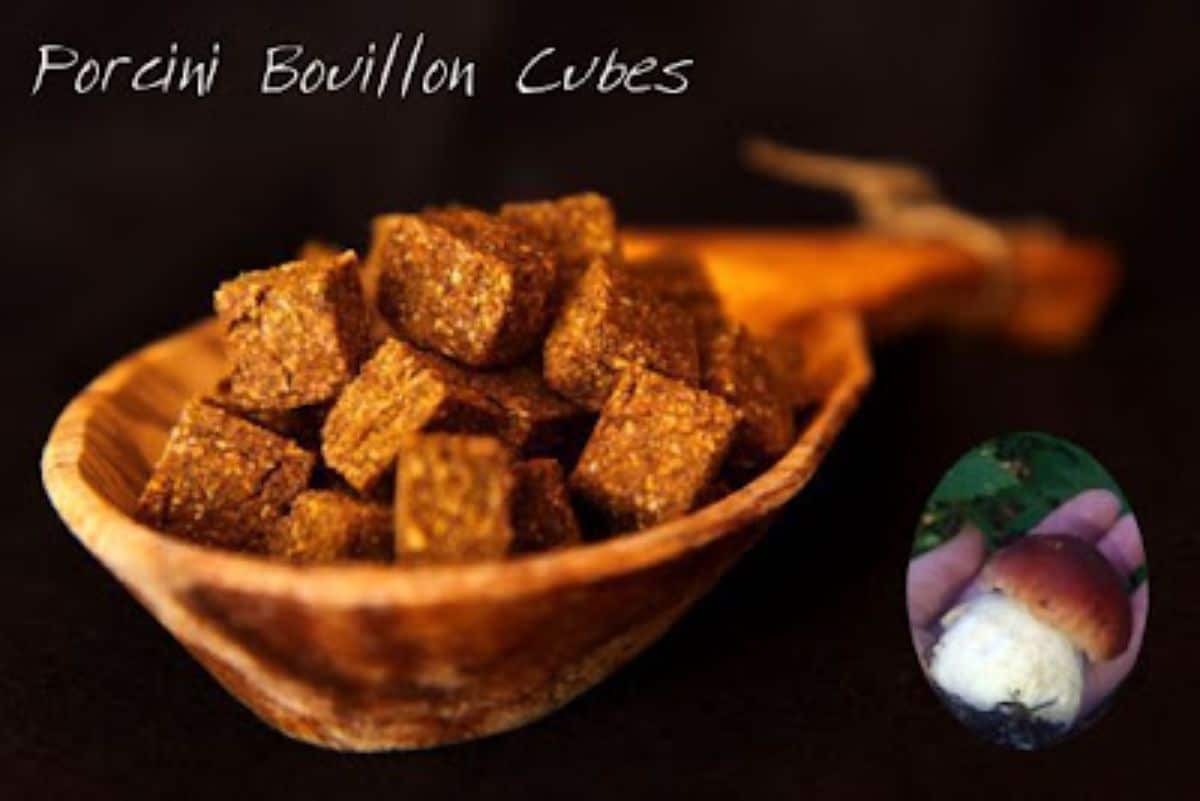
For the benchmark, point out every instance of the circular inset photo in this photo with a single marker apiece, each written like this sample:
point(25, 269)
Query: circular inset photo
point(1027, 590)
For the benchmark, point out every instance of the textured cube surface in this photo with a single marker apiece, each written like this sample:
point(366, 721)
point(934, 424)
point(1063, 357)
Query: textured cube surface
point(579, 229)
point(465, 284)
point(609, 322)
point(301, 424)
point(318, 249)
point(331, 526)
point(453, 499)
point(736, 367)
point(679, 277)
point(370, 270)
point(539, 422)
point(295, 333)
point(222, 480)
point(401, 390)
point(657, 448)
point(543, 517)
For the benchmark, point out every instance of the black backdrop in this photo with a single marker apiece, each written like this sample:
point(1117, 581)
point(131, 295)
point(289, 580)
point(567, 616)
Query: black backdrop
point(121, 212)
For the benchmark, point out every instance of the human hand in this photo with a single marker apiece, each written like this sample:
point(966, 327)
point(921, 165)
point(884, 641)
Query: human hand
point(947, 576)
point(1095, 517)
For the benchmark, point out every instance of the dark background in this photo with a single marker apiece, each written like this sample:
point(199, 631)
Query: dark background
point(122, 212)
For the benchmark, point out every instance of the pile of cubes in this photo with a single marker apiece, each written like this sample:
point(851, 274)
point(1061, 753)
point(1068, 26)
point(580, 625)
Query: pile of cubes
point(481, 386)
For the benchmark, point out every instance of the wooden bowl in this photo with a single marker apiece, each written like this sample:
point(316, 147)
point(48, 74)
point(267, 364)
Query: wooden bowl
point(373, 657)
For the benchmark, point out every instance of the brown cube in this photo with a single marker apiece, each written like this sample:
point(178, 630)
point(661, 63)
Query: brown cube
point(401, 390)
point(319, 249)
point(368, 275)
point(579, 229)
point(798, 373)
point(453, 499)
point(295, 333)
point(715, 491)
point(542, 514)
point(539, 421)
point(655, 451)
point(465, 284)
point(382, 227)
point(330, 526)
point(222, 480)
point(736, 367)
point(679, 277)
point(609, 322)
point(302, 424)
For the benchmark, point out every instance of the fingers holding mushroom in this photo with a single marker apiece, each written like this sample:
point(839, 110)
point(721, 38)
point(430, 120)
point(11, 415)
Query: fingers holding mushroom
point(1102, 679)
point(1012, 660)
point(1089, 516)
point(1027, 591)
point(937, 578)
point(1067, 584)
point(1122, 546)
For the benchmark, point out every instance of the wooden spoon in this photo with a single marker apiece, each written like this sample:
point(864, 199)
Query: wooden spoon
point(1057, 287)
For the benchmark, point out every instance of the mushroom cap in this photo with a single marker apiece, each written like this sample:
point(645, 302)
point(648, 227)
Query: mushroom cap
point(1068, 584)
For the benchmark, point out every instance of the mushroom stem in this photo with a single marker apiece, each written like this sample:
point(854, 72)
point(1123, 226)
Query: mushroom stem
point(994, 654)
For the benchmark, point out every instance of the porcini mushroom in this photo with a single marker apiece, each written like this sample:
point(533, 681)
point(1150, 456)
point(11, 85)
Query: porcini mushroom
point(1011, 659)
